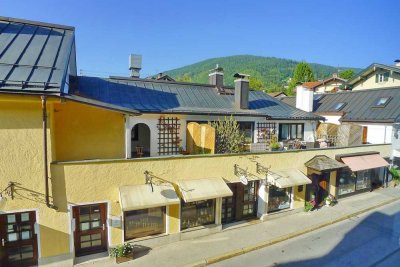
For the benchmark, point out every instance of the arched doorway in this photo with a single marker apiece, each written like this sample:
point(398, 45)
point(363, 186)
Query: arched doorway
point(140, 140)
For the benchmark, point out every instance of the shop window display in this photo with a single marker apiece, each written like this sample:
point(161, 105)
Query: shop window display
point(279, 198)
point(197, 213)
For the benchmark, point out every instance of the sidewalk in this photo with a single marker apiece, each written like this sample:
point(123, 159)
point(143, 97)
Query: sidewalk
point(239, 240)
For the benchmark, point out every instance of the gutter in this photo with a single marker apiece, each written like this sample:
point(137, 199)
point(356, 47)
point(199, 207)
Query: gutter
point(45, 160)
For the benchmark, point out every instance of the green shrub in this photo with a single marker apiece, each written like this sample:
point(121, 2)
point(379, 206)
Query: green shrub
point(121, 250)
point(308, 206)
point(229, 139)
point(395, 172)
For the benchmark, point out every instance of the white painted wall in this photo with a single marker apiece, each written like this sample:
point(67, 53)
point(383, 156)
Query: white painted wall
point(332, 119)
point(151, 121)
point(304, 98)
point(379, 133)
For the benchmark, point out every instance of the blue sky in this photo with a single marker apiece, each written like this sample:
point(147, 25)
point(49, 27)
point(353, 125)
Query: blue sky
point(171, 34)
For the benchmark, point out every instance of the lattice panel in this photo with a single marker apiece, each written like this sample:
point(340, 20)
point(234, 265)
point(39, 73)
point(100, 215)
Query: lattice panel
point(265, 131)
point(168, 136)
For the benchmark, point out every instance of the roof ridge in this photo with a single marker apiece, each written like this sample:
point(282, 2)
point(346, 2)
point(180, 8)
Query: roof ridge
point(37, 23)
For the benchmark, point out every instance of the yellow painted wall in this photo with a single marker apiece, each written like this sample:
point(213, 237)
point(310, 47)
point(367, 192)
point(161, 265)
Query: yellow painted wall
point(174, 219)
point(299, 197)
point(21, 161)
point(85, 132)
point(91, 181)
point(332, 184)
point(370, 83)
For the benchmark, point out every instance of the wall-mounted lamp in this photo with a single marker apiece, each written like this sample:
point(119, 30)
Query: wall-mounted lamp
point(149, 179)
point(262, 169)
point(8, 191)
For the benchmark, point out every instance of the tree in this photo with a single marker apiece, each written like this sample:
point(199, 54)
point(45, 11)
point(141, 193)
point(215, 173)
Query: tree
point(229, 139)
point(302, 73)
point(184, 78)
point(346, 74)
point(256, 84)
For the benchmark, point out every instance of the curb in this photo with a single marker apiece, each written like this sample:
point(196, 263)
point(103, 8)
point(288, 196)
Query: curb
point(244, 250)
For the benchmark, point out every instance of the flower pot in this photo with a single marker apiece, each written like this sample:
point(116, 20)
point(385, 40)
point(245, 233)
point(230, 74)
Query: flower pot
point(126, 258)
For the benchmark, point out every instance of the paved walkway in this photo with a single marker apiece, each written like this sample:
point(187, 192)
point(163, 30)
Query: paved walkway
point(231, 242)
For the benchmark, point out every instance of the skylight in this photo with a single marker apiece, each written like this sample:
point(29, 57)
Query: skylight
point(318, 97)
point(382, 101)
point(339, 106)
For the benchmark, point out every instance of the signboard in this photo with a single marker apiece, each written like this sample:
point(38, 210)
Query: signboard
point(243, 180)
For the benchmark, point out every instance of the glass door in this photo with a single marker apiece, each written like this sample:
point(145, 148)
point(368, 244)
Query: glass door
point(250, 199)
point(18, 239)
point(90, 229)
point(229, 206)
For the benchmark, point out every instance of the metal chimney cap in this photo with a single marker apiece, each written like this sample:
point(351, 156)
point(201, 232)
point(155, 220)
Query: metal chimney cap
point(241, 75)
point(397, 61)
point(217, 69)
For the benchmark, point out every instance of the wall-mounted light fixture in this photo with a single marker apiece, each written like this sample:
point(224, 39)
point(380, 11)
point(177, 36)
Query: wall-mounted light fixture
point(8, 191)
point(149, 179)
point(262, 169)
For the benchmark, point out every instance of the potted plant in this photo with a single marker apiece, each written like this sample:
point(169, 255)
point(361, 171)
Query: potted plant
point(122, 253)
point(395, 172)
point(183, 151)
point(274, 146)
point(308, 206)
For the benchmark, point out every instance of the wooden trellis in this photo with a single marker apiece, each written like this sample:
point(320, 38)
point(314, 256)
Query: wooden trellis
point(168, 136)
point(265, 131)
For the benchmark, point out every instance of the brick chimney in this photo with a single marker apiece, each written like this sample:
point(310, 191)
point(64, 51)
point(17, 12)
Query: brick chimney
point(241, 91)
point(216, 77)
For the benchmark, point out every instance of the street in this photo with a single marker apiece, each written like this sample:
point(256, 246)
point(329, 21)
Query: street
point(371, 239)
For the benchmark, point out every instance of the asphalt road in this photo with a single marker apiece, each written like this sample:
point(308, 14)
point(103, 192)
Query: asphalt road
point(371, 239)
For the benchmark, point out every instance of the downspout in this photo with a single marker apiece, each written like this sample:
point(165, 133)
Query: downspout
point(45, 161)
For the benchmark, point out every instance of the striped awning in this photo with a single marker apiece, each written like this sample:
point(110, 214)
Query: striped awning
point(202, 189)
point(136, 197)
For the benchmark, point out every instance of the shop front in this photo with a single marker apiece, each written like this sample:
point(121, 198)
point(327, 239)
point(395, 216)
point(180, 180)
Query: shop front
point(323, 172)
point(242, 204)
point(365, 172)
point(281, 185)
point(201, 201)
point(145, 209)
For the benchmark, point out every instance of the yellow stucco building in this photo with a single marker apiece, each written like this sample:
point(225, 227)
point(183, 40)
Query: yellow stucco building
point(79, 174)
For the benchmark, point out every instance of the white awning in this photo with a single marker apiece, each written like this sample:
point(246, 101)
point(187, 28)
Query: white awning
point(136, 197)
point(202, 189)
point(287, 178)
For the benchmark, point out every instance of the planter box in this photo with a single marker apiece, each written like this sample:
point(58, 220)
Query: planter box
point(126, 258)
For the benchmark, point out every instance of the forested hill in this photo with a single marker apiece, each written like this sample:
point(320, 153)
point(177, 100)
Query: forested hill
point(270, 70)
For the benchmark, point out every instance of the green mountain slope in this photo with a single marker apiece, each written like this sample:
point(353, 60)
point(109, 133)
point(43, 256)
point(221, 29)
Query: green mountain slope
point(271, 71)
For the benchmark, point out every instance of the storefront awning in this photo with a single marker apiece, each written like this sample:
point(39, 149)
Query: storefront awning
point(287, 178)
point(365, 162)
point(136, 197)
point(202, 189)
point(324, 163)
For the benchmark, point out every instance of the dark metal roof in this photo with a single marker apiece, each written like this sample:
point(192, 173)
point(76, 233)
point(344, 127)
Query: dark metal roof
point(150, 96)
point(371, 68)
point(324, 163)
point(34, 56)
point(360, 105)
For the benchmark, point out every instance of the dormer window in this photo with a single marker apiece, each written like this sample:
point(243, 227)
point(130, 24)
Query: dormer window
point(382, 102)
point(382, 77)
point(339, 106)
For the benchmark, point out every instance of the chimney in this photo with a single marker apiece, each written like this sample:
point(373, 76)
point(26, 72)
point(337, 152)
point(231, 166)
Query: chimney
point(135, 65)
point(216, 77)
point(241, 91)
point(304, 98)
point(397, 62)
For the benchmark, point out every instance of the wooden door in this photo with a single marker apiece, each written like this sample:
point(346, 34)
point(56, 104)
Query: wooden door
point(90, 234)
point(323, 191)
point(18, 239)
point(249, 206)
point(228, 212)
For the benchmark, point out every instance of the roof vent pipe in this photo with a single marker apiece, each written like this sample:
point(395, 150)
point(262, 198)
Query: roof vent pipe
point(135, 65)
point(216, 77)
point(241, 91)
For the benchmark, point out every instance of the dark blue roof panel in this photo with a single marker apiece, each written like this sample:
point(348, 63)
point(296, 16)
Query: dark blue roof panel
point(149, 96)
point(34, 56)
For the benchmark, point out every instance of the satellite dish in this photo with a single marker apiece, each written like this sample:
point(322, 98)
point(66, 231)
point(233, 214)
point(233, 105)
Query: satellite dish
point(243, 180)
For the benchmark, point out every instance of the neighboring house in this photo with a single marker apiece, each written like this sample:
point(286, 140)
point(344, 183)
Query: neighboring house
point(330, 85)
point(374, 110)
point(278, 95)
point(161, 77)
point(376, 76)
point(69, 186)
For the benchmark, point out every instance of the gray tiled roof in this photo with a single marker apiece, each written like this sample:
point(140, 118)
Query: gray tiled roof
point(324, 163)
point(34, 56)
point(149, 96)
point(359, 105)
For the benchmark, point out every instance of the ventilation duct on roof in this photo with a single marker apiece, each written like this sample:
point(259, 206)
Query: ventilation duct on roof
point(135, 65)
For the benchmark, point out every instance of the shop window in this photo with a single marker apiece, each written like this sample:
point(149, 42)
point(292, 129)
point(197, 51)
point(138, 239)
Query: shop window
point(347, 181)
point(246, 128)
point(197, 213)
point(291, 131)
point(363, 180)
point(146, 222)
point(279, 198)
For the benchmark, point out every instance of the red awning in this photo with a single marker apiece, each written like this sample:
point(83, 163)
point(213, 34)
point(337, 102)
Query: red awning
point(365, 162)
